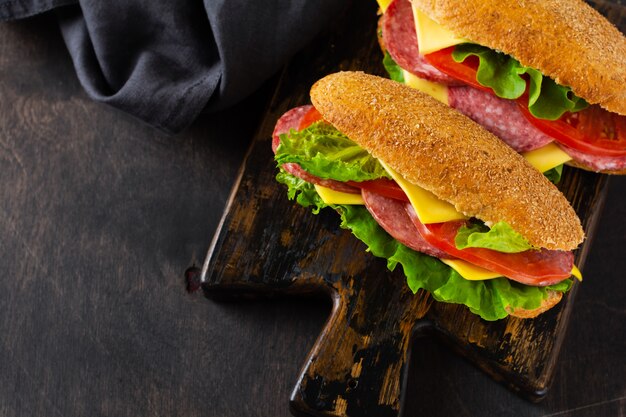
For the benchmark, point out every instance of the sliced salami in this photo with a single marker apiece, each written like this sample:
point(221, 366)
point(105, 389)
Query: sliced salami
point(293, 120)
point(286, 122)
point(391, 215)
point(400, 40)
point(596, 162)
point(499, 116)
point(297, 171)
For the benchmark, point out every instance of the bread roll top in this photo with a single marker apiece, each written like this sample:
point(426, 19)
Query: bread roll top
point(566, 40)
point(445, 152)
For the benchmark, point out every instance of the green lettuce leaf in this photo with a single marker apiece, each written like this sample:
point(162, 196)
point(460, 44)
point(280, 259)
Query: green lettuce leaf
point(323, 151)
point(393, 69)
point(554, 174)
point(501, 237)
point(503, 74)
point(489, 299)
point(496, 70)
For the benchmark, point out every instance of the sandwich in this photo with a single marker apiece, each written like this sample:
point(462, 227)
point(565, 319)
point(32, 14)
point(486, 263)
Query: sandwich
point(546, 77)
point(423, 186)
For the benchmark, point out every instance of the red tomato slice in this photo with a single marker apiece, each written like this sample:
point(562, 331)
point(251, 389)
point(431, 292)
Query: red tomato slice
point(463, 71)
point(593, 130)
point(289, 120)
point(298, 118)
point(309, 118)
point(532, 267)
point(382, 186)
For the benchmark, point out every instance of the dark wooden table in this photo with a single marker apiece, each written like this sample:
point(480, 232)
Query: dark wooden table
point(100, 216)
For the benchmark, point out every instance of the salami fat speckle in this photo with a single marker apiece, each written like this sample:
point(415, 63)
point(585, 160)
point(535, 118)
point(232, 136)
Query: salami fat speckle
point(288, 121)
point(400, 40)
point(391, 215)
point(499, 116)
point(596, 162)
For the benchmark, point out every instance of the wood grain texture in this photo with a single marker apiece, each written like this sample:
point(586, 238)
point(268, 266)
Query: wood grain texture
point(99, 217)
point(355, 369)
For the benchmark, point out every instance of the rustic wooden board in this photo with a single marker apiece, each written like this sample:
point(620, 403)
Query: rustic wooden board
point(267, 245)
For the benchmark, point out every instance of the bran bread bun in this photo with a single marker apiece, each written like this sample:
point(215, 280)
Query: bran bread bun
point(566, 40)
point(441, 150)
point(553, 299)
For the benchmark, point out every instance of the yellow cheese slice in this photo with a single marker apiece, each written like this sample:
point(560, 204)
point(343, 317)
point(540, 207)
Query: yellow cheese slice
point(546, 157)
point(576, 272)
point(330, 196)
point(475, 273)
point(429, 208)
point(384, 4)
point(543, 159)
point(435, 90)
point(469, 271)
point(431, 36)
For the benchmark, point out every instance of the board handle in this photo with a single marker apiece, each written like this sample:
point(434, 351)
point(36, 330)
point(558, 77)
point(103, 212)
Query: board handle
point(353, 372)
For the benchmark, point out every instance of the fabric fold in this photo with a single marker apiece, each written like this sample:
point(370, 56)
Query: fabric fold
point(165, 62)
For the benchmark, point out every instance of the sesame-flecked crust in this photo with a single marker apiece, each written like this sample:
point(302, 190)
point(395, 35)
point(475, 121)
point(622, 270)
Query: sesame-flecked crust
point(553, 299)
point(566, 40)
point(445, 152)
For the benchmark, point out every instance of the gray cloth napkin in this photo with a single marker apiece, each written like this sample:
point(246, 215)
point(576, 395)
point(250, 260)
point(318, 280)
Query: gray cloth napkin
point(164, 61)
